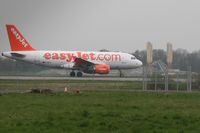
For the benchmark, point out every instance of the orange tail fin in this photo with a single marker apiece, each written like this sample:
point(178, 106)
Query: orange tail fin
point(17, 41)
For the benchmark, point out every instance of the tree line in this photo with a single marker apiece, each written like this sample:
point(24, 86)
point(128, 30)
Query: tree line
point(181, 58)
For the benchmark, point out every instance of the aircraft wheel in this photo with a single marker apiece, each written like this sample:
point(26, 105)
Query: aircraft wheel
point(79, 74)
point(72, 74)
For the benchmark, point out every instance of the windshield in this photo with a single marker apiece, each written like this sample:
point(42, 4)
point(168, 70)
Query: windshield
point(133, 58)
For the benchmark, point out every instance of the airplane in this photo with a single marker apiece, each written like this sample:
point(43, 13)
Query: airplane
point(78, 62)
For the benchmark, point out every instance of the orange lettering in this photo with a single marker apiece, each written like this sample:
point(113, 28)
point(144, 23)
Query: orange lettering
point(92, 56)
point(55, 56)
point(47, 56)
point(62, 56)
point(79, 54)
point(100, 57)
point(85, 56)
point(107, 57)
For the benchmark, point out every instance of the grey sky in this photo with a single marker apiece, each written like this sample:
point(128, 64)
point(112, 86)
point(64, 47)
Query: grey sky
point(119, 25)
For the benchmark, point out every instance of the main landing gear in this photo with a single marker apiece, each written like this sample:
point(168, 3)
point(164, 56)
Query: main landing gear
point(72, 74)
point(78, 74)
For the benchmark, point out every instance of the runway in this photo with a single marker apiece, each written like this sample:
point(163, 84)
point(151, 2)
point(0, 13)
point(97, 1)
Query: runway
point(18, 83)
point(69, 78)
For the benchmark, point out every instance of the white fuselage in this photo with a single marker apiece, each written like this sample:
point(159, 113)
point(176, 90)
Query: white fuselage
point(65, 59)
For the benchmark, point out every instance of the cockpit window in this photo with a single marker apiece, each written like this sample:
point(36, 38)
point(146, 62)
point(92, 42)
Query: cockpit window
point(133, 58)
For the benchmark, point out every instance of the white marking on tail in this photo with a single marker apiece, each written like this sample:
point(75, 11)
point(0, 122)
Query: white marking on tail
point(18, 37)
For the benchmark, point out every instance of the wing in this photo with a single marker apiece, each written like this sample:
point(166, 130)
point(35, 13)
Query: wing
point(83, 65)
point(82, 62)
point(90, 67)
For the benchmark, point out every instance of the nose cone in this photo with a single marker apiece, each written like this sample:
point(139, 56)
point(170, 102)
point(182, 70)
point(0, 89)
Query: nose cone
point(139, 63)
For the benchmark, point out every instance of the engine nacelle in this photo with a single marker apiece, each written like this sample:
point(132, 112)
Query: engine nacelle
point(102, 69)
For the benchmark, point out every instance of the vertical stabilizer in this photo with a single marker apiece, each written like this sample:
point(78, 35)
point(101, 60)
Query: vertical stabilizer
point(17, 41)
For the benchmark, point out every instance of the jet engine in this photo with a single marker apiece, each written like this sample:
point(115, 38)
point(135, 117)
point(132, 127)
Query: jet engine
point(97, 68)
point(102, 69)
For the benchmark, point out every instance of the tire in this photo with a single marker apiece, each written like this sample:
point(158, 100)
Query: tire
point(79, 74)
point(72, 74)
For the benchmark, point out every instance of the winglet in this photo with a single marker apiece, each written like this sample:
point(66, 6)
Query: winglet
point(17, 41)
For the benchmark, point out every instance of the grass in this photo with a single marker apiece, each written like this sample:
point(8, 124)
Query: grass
point(61, 84)
point(100, 112)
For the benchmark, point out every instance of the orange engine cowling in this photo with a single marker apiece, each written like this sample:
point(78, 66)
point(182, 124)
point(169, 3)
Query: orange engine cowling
point(102, 69)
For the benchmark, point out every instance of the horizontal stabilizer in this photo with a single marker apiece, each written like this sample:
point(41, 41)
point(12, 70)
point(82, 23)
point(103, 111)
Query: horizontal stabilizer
point(18, 55)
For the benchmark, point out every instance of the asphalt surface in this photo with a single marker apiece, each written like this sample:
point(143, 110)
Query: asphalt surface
point(17, 89)
point(20, 90)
